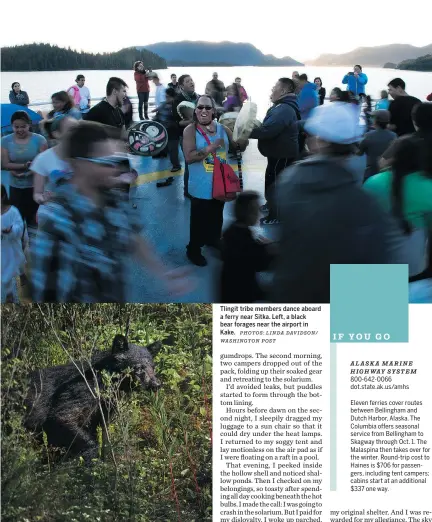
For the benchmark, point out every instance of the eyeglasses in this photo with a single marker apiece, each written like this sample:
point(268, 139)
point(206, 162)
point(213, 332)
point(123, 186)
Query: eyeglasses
point(100, 161)
point(206, 107)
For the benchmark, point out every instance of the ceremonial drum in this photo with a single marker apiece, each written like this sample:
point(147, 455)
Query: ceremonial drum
point(246, 121)
point(228, 119)
point(185, 110)
point(147, 138)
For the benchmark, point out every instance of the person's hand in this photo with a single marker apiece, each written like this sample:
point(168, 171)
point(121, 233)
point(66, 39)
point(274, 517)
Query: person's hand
point(242, 143)
point(17, 174)
point(178, 281)
point(7, 230)
point(216, 145)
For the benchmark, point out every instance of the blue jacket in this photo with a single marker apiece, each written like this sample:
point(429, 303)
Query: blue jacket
point(355, 85)
point(278, 135)
point(308, 99)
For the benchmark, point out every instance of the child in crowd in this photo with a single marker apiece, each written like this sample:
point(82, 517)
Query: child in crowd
point(376, 142)
point(243, 255)
point(14, 241)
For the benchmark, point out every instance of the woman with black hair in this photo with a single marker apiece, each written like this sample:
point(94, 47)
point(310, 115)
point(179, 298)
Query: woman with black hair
point(320, 89)
point(17, 96)
point(202, 139)
point(405, 193)
point(18, 150)
point(141, 77)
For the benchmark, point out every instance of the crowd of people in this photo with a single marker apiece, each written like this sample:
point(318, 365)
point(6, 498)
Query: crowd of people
point(339, 194)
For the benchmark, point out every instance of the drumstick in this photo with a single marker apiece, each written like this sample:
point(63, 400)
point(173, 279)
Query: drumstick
point(239, 157)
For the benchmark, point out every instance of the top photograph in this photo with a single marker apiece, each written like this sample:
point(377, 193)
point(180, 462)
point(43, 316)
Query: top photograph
point(211, 172)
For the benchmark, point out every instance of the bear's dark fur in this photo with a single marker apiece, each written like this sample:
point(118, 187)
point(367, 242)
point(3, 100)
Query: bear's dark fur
point(60, 403)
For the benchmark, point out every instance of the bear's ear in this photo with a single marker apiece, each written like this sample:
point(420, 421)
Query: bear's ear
point(154, 348)
point(169, 341)
point(119, 344)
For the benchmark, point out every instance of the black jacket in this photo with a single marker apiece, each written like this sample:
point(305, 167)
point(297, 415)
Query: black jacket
point(242, 257)
point(327, 218)
point(278, 135)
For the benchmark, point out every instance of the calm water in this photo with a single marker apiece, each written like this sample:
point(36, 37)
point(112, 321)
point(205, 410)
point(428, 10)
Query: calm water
point(258, 81)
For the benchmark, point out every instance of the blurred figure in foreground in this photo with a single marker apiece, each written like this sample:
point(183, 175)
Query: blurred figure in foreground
point(89, 231)
point(243, 255)
point(405, 194)
point(326, 215)
point(14, 240)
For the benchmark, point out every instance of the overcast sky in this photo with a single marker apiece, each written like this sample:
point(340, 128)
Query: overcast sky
point(302, 30)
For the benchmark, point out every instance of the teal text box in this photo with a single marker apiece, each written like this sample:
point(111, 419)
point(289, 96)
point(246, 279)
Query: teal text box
point(369, 303)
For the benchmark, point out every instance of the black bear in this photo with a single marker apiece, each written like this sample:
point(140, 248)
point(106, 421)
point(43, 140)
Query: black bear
point(62, 400)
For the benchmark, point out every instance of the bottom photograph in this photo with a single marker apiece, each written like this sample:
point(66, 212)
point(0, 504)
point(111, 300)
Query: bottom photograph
point(106, 413)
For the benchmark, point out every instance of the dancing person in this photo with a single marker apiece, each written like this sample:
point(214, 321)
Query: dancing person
point(296, 79)
point(49, 166)
point(186, 93)
point(141, 77)
point(401, 108)
point(327, 217)
point(356, 81)
point(173, 84)
point(18, 150)
point(383, 103)
point(405, 194)
point(243, 255)
point(17, 96)
point(14, 240)
point(376, 142)
point(80, 94)
point(206, 217)
point(63, 105)
point(233, 101)
point(216, 89)
point(278, 141)
point(308, 97)
point(160, 92)
point(81, 249)
point(243, 93)
point(127, 111)
point(336, 94)
point(109, 110)
point(165, 116)
point(320, 90)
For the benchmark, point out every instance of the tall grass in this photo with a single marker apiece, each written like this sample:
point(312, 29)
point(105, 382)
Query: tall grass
point(154, 452)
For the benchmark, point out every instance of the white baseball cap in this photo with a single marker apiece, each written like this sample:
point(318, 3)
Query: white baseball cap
point(336, 122)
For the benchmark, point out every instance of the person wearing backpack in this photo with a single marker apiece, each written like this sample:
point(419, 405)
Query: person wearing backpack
point(205, 142)
point(80, 94)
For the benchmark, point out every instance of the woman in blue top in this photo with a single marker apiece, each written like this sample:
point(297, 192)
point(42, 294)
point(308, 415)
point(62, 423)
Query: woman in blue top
point(383, 103)
point(64, 106)
point(18, 150)
point(356, 81)
point(206, 213)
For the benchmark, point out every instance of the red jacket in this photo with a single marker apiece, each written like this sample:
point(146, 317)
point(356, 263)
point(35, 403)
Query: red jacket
point(142, 84)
